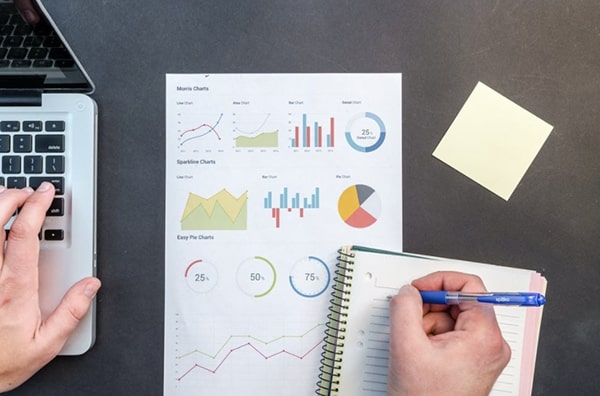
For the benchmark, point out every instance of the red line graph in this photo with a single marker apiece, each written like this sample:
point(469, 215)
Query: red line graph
point(255, 349)
point(211, 128)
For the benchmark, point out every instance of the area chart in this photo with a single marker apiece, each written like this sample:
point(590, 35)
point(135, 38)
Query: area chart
point(221, 211)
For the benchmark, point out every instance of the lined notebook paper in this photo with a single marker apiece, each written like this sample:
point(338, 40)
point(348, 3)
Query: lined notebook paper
point(355, 355)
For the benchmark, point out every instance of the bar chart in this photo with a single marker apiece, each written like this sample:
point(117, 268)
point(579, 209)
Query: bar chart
point(312, 133)
point(290, 202)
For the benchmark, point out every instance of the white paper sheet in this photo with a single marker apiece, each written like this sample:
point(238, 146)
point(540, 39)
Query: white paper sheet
point(266, 176)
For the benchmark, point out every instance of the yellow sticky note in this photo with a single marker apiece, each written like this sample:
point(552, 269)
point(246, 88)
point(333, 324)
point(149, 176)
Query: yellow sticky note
point(493, 141)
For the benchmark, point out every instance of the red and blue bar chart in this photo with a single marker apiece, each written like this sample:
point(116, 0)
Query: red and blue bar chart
point(313, 134)
point(290, 202)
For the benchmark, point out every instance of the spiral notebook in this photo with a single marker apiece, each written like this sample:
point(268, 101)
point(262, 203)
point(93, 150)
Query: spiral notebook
point(355, 353)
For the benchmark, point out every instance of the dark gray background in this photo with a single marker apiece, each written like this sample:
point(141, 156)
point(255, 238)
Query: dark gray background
point(544, 55)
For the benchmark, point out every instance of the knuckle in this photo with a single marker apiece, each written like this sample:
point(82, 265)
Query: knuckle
point(20, 231)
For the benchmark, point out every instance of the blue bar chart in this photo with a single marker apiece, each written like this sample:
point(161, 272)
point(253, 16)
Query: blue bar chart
point(289, 202)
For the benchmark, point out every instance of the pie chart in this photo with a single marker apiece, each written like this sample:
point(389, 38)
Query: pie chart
point(359, 206)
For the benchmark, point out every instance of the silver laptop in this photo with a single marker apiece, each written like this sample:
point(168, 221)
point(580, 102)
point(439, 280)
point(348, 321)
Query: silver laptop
point(48, 133)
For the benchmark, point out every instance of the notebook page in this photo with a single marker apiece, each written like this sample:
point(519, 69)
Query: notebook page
point(377, 276)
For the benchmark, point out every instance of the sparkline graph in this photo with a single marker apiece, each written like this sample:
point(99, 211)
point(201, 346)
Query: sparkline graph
point(252, 345)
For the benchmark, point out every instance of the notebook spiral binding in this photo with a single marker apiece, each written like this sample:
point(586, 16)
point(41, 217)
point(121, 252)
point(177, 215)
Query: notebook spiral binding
point(333, 342)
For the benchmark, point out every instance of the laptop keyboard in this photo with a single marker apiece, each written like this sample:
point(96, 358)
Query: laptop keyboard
point(23, 46)
point(32, 151)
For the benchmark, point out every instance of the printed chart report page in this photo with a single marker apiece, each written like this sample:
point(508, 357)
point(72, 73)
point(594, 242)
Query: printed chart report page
point(267, 175)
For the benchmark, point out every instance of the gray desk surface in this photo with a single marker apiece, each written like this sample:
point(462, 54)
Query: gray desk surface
point(544, 55)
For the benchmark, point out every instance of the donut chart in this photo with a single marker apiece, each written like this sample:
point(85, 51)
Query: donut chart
point(365, 132)
point(359, 206)
point(310, 277)
point(201, 276)
point(256, 276)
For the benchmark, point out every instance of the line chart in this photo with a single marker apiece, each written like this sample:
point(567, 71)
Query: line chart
point(254, 348)
point(258, 340)
point(254, 131)
point(253, 344)
point(200, 131)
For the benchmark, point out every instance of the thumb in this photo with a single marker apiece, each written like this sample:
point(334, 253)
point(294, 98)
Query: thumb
point(74, 305)
point(406, 317)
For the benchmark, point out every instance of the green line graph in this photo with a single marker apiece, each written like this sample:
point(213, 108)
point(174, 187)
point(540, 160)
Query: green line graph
point(232, 338)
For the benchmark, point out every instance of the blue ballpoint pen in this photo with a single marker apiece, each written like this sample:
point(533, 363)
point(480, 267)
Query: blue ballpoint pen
point(526, 299)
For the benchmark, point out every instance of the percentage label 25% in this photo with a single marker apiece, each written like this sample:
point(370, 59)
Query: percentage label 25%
point(201, 276)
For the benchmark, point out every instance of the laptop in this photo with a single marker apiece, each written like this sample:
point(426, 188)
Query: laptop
point(48, 126)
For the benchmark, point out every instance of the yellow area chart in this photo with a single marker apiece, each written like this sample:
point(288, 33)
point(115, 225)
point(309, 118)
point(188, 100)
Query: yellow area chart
point(222, 211)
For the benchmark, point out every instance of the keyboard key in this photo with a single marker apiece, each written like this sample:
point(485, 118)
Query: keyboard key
point(33, 41)
point(42, 29)
point(57, 208)
point(59, 53)
point(54, 235)
point(42, 63)
point(50, 143)
point(16, 182)
point(11, 164)
point(13, 41)
point(32, 126)
point(64, 63)
point(21, 63)
point(22, 143)
point(58, 182)
point(4, 143)
point(38, 53)
point(17, 53)
point(6, 30)
point(55, 126)
point(33, 164)
point(23, 30)
point(55, 164)
point(10, 126)
point(52, 42)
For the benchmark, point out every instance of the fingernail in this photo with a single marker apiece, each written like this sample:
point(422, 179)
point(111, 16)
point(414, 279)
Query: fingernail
point(2, 189)
point(45, 186)
point(29, 16)
point(91, 289)
point(406, 289)
point(28, 190)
